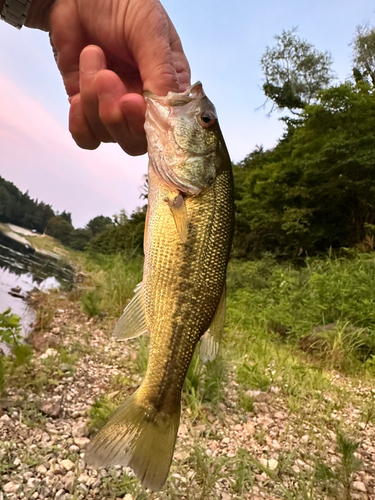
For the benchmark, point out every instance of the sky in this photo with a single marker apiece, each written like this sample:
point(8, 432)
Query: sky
point(223, 41)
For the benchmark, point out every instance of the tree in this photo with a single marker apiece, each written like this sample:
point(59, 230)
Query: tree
point(124, 235)
point(79, 239)
point(59, 228)
point(98, 224)
point(315, 189)
point(364, 54)
point(294, 72)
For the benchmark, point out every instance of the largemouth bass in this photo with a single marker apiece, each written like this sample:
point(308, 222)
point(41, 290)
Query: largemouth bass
point(181, 299)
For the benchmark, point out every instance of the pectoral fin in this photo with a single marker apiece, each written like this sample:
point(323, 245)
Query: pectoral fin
point(210, 340)
point(179, 212)
point(133, 321)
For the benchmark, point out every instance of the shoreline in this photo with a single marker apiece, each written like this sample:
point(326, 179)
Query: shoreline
point(80, 374)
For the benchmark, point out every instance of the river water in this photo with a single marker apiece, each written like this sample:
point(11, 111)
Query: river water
point(27, 270)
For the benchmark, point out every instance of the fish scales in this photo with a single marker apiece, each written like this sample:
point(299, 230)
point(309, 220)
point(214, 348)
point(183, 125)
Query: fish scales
point(188, 236)
point(184, 316)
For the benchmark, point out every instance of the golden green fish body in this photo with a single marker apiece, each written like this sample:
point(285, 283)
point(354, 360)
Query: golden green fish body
point(182, 282)
point(188, 237)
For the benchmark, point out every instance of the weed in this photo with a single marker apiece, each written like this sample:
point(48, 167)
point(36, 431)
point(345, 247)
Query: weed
point(91, 303)
point(100, 412)
point(349, 463)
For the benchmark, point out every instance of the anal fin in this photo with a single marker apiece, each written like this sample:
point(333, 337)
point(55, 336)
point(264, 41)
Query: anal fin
point(210, 341)
point(132, 323)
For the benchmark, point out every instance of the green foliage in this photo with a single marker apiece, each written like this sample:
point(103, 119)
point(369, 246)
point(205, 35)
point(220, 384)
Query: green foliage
point(294, 71)
point(364, 54)
point(115, 277)
point(10, 329)
point(91, 303)
point(79, 239)
point(58, 227)
point(98, 224)
point(338, 291)
point(124, 235)
point(349, 463)
point(18, 208)
point(316, 189)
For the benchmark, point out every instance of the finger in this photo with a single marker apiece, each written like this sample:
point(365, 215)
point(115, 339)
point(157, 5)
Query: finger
point(161, 62)
point(92, 61)
point(68, 39)
point(122, 114)
point(79, 126)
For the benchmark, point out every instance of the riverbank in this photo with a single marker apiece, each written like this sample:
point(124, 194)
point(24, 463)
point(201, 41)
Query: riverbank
point(31, 241)
point(296, 431)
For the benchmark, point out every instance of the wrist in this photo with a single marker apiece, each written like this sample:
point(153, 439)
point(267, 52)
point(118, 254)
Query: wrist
point(38, 16)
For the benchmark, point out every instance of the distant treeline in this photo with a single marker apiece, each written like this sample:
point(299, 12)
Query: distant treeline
point(18, 208)
point(313, 191)
point(121, 233)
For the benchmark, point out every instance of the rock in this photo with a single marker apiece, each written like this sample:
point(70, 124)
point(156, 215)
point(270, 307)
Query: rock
point(41, 341)
point(261, 408)
point(41, 469)
point(69, 481)
point(6, 419)
point(271, 464)
point(50, 353)
point(80, 429)
point(280, 415)
point(305, 439)
point(250, 427)
point(128, 496)
point(359, 486)
point(11, 487)
point(56, 330)
point(51, 407)
point(67, 464)
point(225, 496)
point(258, 396)
point(61, 495)
point(81, 441)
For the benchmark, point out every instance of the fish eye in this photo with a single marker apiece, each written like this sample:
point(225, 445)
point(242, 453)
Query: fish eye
point(207, 119)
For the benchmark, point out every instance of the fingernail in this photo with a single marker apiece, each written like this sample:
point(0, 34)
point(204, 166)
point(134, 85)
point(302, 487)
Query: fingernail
point(91, 62)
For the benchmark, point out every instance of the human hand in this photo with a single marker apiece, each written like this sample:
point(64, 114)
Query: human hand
point(108, 52)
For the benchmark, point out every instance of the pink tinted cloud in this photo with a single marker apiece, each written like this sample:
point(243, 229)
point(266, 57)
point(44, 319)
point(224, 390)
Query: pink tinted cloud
point(35, 147)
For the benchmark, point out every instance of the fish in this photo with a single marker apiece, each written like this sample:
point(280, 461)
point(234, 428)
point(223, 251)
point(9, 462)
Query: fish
point(181, 299)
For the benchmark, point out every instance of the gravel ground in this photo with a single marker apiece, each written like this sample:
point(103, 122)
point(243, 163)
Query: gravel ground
point(43, 431)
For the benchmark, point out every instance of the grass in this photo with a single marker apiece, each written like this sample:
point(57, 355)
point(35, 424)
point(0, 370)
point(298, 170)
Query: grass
point(272, 310)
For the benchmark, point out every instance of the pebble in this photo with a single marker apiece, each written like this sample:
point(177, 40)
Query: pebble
point(359, 486)
point(81, 441)
point(80, 429)
point(67, 464)
point(11, 487)
point(41, 469)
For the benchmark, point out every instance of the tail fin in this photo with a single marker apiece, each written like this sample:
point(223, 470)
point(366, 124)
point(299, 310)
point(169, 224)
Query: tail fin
point(136, 439)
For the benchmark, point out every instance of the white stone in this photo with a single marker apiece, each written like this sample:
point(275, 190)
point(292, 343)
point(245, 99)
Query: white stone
point(11, 487)
point(49, 353)
point(272, 464)
point(41, 469)
point(67, 464)
point(80, 429)
point(359, 486)
point(81, 442)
